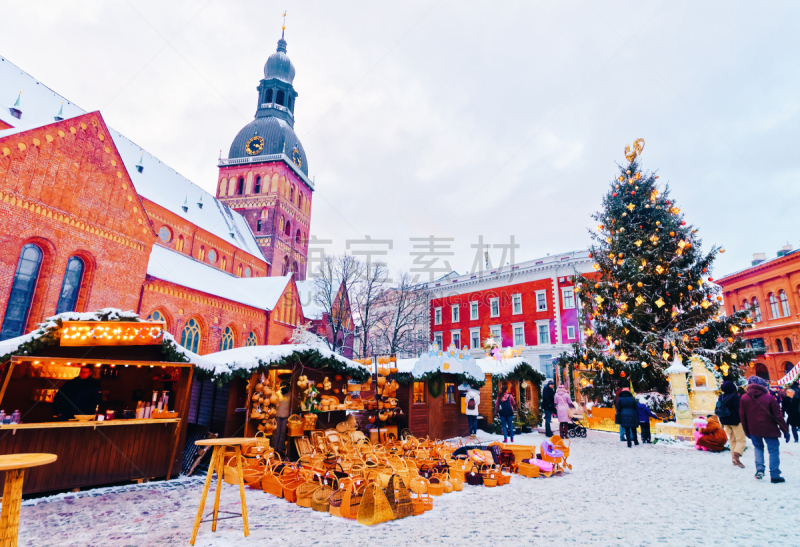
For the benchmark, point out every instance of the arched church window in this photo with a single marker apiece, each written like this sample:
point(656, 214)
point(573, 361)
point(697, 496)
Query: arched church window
point(190, 337)
point(288, 230)
point(297, 237)
point(269, 96)
point(240, 187)
point(70, 285)
point(279, 97)
point(19, 302)
point(251, 340)
point(257, 188)
point(227, 340)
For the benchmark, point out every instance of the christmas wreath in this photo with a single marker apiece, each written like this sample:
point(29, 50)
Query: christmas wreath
point(435, 385)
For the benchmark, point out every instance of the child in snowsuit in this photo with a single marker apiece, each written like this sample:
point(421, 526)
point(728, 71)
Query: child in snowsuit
point(644, 420)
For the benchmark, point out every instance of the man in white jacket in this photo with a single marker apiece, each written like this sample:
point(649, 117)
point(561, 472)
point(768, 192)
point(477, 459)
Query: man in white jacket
point(473, 400)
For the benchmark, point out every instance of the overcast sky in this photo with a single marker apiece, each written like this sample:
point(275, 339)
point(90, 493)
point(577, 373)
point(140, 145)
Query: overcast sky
point(455, 118)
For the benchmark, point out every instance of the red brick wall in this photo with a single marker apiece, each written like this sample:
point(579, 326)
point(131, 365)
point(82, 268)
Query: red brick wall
point(179, 304)
point(63, 187)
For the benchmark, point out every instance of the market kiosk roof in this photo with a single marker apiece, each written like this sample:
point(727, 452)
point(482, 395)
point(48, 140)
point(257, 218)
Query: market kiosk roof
point(250, 358)
point(495, 367)
point(450, 361)
point(48, 339)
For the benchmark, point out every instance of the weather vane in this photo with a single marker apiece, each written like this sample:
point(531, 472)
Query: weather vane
point(638, 146)
point(283, 28)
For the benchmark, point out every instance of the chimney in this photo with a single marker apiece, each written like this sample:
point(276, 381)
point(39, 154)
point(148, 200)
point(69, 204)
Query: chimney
point(785, 250)
point(758, 258)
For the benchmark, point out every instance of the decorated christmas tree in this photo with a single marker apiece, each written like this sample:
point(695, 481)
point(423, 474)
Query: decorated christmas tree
point(652, 297)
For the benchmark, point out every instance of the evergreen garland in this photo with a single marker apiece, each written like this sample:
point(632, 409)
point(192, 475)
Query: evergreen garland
point(435, 384)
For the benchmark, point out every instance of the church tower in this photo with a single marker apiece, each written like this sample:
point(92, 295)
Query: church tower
point(265, 177)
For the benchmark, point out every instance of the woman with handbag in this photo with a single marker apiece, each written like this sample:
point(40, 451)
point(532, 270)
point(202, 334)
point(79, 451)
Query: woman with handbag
point(563, 406)
point(727, 411)
point(473, 400)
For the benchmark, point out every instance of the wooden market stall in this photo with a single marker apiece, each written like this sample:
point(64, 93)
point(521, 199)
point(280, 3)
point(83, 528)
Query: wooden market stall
point(432, 393)
point(320, 384)
point(134, 363)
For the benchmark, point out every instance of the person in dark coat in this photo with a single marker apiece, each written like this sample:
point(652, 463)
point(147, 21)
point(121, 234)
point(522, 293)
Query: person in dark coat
point(728, 413)
point(644, 419)
point(548, 406)
point(80, 395)
point(762, 421)
point(628, 416)
point(616, 417)
point(792, 410)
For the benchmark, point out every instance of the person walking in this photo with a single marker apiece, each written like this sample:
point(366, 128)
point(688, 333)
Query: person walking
point(472, 400)
point(505, 407)
point(548, 406)
point(644, 419)
point(616, 416)
point(762, 421)
point(728, 413)
point(284, 409)
point(792, 410)
point(628, 416)
point(563, 406)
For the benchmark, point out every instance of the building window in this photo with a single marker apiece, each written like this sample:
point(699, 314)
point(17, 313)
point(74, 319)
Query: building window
point(546, 366)
point(70, 285)
point(544, 333)
point(19, 302)
point(156, 316)
point(568, 296)
point(519, 335)
point(773, 306)
point(257, 188)
point(248, 272)
point(165, 234)
point(756, 311)
point(450, 393)
point(437, 339)
point(258, 226)
point(494, 306)
point(496, 333)
point(541, 300)
point(570, 333)
point(784, 303)
point(437, 316)
point(787, 366)
point(475, 338)
point(455, 337)
point(190, 338)
point(516, 304)
point(212, 256)
point(251, 340)
point(297, 237)
point(454, 313)
point(227, 340)
point(473, 310)
point(240, 187)
point(419, 393)
point(789, 345)
point(779, 344)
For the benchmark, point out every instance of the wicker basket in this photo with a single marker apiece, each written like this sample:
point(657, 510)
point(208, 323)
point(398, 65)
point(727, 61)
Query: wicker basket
point(295, 426)
point(374, 507)
point(528, 470)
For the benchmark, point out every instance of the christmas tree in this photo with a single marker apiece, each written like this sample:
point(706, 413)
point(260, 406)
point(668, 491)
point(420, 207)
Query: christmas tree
point(652, 296)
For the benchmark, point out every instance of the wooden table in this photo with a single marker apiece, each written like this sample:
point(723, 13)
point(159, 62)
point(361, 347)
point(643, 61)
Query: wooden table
point(218, 462)
point(14, 466)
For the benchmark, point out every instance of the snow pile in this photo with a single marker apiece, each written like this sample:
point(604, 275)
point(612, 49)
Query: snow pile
point(251, 358)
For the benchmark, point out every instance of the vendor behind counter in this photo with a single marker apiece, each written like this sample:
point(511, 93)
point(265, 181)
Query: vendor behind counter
point(80, 395)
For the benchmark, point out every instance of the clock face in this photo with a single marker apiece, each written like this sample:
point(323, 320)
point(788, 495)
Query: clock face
point(298, 161)
point(254, 145)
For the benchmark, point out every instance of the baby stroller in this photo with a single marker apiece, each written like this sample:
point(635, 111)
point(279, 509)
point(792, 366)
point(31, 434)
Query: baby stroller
point(575, 427)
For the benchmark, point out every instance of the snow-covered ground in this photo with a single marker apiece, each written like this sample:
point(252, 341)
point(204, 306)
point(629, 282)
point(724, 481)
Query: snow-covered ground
point(647, 495)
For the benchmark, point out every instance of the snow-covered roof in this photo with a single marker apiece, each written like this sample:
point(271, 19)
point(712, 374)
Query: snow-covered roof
point(677, 367)
point(499, 367)
point(157, 182)
point(250, 358)
point(52, 324)
point(258, 292)
point(450, 361)
point(307, 291)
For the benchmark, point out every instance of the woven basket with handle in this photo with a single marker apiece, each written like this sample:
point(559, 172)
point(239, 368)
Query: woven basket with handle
point(374, 507)
point(399, 498)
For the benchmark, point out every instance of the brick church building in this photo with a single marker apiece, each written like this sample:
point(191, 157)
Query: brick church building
point(90, 220)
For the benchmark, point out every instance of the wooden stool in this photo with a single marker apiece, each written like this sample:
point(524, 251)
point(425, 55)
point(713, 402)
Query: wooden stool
point(14, 465)
point(218, 462)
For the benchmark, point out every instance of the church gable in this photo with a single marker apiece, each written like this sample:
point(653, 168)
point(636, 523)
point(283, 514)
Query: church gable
point(71, 170)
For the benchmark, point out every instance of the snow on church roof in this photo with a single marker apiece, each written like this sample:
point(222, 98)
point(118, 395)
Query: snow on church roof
point(181, 269)
point(157, 182)
point(307, 291)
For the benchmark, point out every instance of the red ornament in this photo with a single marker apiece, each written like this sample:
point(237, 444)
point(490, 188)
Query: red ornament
point(640, 226)
point(683, 223)
point(695, 338)
point(633, 193)
point(667, 202)
point(590, 255)
point(710, 278)
point(614, 195)
point(705, 270)
point(622, 374)
point(719, 340)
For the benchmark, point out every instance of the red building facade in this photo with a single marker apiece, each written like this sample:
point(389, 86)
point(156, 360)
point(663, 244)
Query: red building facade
point(771, 291)
point(531, 306)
